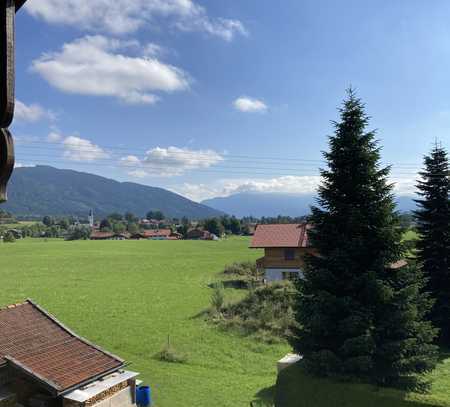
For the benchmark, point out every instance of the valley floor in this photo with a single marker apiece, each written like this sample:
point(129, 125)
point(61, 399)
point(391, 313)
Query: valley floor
point(128, 296)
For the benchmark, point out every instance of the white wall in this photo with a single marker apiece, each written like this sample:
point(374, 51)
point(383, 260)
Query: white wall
point(273, 274)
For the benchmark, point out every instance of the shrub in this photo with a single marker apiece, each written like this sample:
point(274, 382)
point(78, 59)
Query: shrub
point(170, 355)
point(9, 238)
point(245, 272)
point(218, 298)
point(266, 313)
point(243, 268)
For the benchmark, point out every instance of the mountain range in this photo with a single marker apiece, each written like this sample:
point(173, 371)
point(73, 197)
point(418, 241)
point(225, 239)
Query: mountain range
point(43, 190)
point(259, 204)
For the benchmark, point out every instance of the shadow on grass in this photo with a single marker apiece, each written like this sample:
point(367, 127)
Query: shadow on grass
point(444, 353)
point(236, 284)
point(264, 397)
point(296, 388)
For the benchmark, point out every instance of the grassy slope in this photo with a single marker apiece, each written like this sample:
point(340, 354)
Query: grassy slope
point(129, 295)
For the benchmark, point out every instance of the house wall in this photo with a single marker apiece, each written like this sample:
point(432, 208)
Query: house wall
point(273, 274)
point(274, 258)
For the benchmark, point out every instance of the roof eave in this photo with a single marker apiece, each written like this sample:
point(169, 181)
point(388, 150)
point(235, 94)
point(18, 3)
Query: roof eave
point(90, 380)
point(19, 4)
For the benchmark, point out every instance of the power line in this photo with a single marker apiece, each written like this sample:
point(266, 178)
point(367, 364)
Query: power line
point(186, 153)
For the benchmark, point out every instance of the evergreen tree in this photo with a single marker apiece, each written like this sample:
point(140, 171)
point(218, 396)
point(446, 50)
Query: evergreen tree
point(358, 316)
point(433, 225)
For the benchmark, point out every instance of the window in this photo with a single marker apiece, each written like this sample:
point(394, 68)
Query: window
point(290, 275)
point(289, 254)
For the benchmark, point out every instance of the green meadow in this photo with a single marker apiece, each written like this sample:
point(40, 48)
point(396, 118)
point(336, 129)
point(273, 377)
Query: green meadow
point(128, 296)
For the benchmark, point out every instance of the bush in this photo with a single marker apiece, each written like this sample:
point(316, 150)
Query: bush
point(169, 355)
point(243, 268)
point(9, 238)
point(218, 297)
point(266, 313)
point(245, 272)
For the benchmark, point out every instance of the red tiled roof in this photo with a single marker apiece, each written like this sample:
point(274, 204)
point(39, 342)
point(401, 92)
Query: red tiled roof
point(287, 235)
point(36, 344)
point(157, 233)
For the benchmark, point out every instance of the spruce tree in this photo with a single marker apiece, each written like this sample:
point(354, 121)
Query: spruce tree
point(433, 226)
point(356, 315)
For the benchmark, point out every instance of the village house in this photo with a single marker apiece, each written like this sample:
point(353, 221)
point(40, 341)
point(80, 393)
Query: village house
point(44, 364)
point(98, 235)
point(284, 247)
point(200, 234)
point(157, 234)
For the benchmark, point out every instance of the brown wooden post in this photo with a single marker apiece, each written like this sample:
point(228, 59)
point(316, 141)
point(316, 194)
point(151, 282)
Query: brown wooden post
point(8, 10)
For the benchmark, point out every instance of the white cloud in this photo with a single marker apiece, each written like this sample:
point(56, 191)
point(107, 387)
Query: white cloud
point(79, 149)
point(250, 105)
point(54, 137)
point(169, 162)
point(92, 66)
point(288, 184)
point(405, 186)
point(31, 113)
point(153, 50)
point(198, 192)
point(22, 165)
point(124, 16)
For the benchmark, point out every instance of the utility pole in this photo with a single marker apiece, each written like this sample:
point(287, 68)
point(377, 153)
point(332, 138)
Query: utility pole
point(8, 10)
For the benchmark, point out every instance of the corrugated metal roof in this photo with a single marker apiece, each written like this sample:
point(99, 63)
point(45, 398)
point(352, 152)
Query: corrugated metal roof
point(35, 343)
point(283, 235)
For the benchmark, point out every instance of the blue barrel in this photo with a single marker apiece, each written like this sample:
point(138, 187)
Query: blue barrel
point(143, 396)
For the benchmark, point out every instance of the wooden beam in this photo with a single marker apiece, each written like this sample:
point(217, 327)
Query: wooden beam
point(19, 4)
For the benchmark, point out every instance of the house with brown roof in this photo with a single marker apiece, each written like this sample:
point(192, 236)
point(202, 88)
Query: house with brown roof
point(156, 234)
point(45, 364)
point(98, 235)
point(285, 247)
point(200, 234)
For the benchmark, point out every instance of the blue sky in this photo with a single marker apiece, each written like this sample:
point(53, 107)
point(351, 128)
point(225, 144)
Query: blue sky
point(209, 98)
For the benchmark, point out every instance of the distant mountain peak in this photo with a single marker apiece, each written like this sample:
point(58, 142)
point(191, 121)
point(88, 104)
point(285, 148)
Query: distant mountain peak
point(271, 204)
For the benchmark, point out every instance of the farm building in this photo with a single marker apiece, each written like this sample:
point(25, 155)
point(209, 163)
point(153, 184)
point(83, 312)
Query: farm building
point(97, 235)
point(200, 234)
point(284, 249)
point(157, 234)
point(44, 364)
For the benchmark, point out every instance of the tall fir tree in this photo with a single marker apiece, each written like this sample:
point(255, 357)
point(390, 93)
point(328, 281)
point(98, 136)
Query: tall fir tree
point(433, 226)
point(357, 315)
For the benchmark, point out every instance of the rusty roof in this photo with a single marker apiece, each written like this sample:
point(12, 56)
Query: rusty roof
point(283, 235)
point(35, 343)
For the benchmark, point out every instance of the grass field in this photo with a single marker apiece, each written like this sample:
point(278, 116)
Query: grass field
point(127, 296)
point(296, 389)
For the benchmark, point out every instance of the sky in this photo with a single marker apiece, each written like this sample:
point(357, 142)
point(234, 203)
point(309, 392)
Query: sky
point(209, 98)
